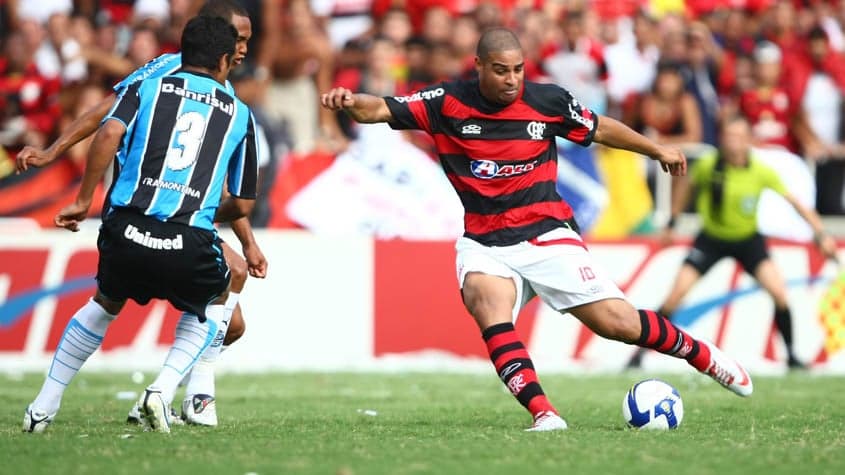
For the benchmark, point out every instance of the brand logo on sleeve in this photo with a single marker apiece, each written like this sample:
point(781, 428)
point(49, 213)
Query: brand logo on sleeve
point(422, 95)
point(576, 113)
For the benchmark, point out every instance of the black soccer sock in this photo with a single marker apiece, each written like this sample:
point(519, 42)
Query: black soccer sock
point(783, 322)
point(515, 369)
point(637, 358)
point(658, 333)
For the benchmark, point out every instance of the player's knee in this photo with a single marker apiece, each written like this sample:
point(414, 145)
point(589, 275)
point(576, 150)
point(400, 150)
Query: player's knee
point(239, 272)
point(113, 307)
point(621, 324)
point(485, 307)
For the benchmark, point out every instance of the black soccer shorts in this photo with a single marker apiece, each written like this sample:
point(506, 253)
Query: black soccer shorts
point(142, 258)
point(707, 251)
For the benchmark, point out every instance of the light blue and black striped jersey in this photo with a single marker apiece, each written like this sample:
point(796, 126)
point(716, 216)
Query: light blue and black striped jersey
point(184, 135)
point(157, 67)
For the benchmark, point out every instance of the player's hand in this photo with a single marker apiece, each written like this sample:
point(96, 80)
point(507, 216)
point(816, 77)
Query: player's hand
point(667, 237)
point(255, 261)
point(827, 245)
point(672, 160)
point(337, 99)
point(70, 216)
point(32, 157)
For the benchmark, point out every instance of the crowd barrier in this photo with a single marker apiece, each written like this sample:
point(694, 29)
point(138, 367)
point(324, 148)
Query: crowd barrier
point(334, 303)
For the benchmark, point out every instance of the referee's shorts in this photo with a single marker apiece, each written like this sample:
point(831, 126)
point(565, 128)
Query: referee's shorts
point(142, 258)
point(707, 250)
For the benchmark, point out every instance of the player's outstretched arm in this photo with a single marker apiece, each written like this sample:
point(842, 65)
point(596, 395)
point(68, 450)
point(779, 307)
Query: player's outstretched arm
point(615, 134)
point(100, 156)
point(255, 260)
point(82, 127)
point(825, 243)
point(362, 108)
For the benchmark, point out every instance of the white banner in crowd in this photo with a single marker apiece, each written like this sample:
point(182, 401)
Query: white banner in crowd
point(381, 186)
point(775, 216)
point(347, 303)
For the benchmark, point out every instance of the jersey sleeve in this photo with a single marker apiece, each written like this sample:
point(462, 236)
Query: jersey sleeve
point(159, 66)
point(772, 180)
point(418, 110)
point(126, 106)
point(243, 167)
point(579, 122)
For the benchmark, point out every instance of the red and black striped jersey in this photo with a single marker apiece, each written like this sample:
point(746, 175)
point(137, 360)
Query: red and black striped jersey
point(501, 160)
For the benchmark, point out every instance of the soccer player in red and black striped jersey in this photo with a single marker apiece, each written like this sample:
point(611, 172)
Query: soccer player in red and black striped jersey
point(496, 139)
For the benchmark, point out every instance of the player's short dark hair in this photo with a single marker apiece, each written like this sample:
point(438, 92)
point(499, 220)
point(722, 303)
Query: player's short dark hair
point(224, 9)
point(495, 40)
point(205, 39)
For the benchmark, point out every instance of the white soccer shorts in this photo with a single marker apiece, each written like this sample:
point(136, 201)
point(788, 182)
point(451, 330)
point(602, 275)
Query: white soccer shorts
point(555, 266)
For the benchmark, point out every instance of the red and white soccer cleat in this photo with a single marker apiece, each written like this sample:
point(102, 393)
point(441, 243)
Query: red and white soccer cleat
point(546, 421)
point(728, 372)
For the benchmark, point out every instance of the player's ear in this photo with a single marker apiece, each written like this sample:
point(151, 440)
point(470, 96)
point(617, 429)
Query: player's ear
point(225, 62)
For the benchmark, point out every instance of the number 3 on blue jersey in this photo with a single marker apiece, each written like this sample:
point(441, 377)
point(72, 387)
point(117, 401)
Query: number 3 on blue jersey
point(190, 130)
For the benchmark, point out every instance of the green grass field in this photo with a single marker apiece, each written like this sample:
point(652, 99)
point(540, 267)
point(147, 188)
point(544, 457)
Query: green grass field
point(444, 424)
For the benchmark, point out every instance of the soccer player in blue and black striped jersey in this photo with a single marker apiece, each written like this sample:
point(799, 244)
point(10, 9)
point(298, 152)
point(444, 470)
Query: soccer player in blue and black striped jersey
point(199, 406)
point(186, 135)
point(495, 136)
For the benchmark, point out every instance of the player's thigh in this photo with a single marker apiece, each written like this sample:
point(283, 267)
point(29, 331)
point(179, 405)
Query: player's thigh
point(705, 252)
point(125, 268)
point(613, 318)
point(491, 291)
point(201, 277)
point(237, 267)
point(565, 275)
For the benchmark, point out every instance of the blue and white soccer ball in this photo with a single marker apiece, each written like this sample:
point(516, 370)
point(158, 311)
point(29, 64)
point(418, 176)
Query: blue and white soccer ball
point(653, 404)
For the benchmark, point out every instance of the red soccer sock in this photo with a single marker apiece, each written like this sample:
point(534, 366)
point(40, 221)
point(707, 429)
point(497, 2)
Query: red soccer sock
point(658, 333)
point(514, 367)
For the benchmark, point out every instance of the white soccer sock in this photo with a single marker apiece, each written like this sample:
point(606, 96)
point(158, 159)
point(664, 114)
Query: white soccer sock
point(202, 375)
point(192, 338)
point(83, 335)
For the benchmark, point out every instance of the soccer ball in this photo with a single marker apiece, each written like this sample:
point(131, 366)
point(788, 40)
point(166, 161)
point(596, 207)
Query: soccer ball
point(653, 404)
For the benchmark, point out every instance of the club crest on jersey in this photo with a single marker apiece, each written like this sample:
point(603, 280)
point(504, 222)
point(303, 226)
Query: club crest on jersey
point(488, 169)
point(536, 129)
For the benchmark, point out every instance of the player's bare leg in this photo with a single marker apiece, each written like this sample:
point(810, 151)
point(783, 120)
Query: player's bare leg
point(490, 300)
point(770, 278)
point(686, 278)
point(617, 319)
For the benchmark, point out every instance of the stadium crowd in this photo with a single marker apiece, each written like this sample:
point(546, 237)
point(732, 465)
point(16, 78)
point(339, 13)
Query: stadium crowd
point(668, 68)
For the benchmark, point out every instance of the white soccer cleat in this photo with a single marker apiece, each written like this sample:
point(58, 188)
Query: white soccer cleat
point(728, 372)
point(547, 421)
point(200, 409)
point(156, 413)
point(35, 420)
point(136, 417)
